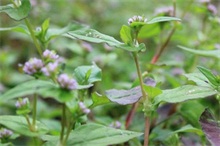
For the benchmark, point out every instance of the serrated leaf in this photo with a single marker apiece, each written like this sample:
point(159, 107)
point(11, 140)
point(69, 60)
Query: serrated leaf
point(210, 127)
point(209, 75)
point(18, 13)
point(162, 19)
point(124, 97)
point(125, 34)
point(19, 125)
point(210, 53)
point(184, 93)
point(88, 74)
point(98, 99)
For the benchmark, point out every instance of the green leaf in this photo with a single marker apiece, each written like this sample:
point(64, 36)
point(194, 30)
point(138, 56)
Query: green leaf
point(88, 74)
point(43, 88)
point(99, 135)
point(210, 53)
point(98, 99)
point(94, 36)
point(149, 30)
point(184, 93)
point(26, 88)
point(162, 19)
point(152, 91)
point(209, 75)
point(19, 125)
point(96, 135)
point(17, 13)
point(125, 34)
point(198, 78)
point(124, 97)
point(19, 28)
point(189, 128)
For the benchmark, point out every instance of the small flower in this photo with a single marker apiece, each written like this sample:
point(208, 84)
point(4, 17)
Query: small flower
point(50, 68)
point(212, 9)
point(5, 133)
point(66, 82)
point(167, 11)
point(136, 19)
point(33, 66)
point(22, 103)
point(17, 3)
point(83, 108)
point(50, 55)
point(115, 124)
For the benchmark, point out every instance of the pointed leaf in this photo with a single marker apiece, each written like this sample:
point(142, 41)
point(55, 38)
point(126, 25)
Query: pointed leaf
point(98, 99)
point(152, 91)
point(18, 13)
point(210, 127)
point(19, 125)
point(124, 97)
point(210, 76)
point(125, 34)
point(184, 93)
point(210, 53)
point(88, 74)
point(162, 19)
point(94, 36)
point(19, 28)
point(198, 78)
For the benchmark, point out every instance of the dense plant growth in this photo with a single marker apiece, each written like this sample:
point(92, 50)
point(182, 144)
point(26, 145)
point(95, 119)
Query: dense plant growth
point(81, 73)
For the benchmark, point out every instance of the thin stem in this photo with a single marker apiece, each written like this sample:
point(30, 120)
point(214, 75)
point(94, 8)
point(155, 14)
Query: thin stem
point(63, 121)
point(34, 111)
point(145, 98)
point(33, 37)
point(28, 122)
point(147, 130)
point(131, 115)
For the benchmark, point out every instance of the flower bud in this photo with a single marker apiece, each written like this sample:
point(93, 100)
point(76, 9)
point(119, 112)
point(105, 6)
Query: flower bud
point(33, 66)
point(83, 108)
point(66, 82)
point(136, 19)
point(50, 69)
point(50, 55)
point(5, 133)
point(115, 124)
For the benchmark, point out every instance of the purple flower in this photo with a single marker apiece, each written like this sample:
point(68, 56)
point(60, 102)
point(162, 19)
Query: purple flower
point(167, 11)
point(5, 133)
point(212, 9)
point(50, 68)
point(50, 55)
point(22, 103)
point(115, 124)
point(33, 66)
point(83, 108)
point(66, 82)
point(136, 19)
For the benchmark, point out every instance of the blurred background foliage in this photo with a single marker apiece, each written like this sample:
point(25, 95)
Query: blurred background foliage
point(199, 29)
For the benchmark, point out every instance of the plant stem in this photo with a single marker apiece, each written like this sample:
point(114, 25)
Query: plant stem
point(33, 37)
point(28, 122)
point(145, 99)
point(63, 122)
point(34, 112)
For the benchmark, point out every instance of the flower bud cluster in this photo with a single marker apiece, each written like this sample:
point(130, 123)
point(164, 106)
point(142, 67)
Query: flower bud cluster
point(35, 65)
point(5, 133)
point(83, 108)
point(166, 11)
point(21, 103)
point(66, 82)
point(115, 124)
point(136, 19)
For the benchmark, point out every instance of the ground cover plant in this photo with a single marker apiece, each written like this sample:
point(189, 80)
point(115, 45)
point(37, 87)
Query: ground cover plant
point(76, 73)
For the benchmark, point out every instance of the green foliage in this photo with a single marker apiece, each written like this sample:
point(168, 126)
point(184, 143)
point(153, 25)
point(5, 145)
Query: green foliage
point(17, 12)
point(19, 125)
